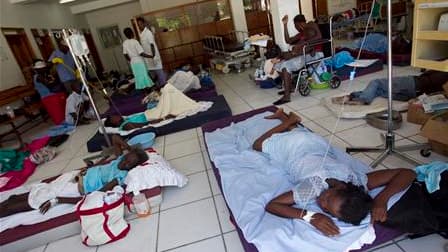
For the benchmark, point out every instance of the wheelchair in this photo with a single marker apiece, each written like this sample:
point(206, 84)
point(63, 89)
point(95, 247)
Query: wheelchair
point(309, 77)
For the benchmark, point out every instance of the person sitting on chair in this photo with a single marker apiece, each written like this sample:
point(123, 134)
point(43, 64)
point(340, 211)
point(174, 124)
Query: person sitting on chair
point(68, 188)
point(404, 88)
point(44, 83)
point(294, 60)
point(77, 108)
point(338, 189)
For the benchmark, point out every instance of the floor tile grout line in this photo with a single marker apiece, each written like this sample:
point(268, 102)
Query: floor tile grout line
point(185, 204)
point(191, 243)
point(158, 228)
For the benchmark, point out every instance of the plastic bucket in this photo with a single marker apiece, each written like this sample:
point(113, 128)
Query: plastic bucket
point(146, 140)
point(55, 106)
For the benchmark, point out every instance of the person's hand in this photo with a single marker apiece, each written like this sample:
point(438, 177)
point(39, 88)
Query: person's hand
point(379, 211)
point(45, 207)
point(119, 142)
point(285, 19)
point(83, 171)
point(324, 224)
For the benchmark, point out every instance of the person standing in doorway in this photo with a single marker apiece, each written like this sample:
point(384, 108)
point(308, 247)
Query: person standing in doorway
point(135, 54)
point(149, 45)
point(65, 65)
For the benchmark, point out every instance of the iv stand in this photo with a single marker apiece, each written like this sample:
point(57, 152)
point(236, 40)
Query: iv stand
point(389, 147)
point(79, 65)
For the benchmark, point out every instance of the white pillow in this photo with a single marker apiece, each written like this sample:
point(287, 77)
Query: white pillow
point(154, 172)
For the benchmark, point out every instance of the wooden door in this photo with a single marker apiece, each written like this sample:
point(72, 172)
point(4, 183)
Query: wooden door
point(44, 42)
point(21, 49)
point(320, 8)
point(93, 51)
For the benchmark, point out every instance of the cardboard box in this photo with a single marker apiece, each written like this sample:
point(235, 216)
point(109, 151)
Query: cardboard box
point(436, 130)
point(416, 114)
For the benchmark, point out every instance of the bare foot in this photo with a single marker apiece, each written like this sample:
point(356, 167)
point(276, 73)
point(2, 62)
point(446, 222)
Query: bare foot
point(340, 100)
point(276, 115)
point(294, 118)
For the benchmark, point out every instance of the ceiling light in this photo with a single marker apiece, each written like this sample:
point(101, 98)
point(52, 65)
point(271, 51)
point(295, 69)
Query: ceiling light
point(65, 1)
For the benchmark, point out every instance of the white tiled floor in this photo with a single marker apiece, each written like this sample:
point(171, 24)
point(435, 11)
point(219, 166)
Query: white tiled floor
point(195, 218)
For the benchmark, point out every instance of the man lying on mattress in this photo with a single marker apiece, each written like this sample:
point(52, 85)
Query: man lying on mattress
point(170, 103)
point(67, 188)
point(339, 190)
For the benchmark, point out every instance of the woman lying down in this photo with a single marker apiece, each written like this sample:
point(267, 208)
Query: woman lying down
point(171, 103)
point(69, 187)
point(339, 190)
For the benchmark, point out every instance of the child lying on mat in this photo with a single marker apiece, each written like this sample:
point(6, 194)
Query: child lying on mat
point(68, 188)
point(404, 88)
point(131, 122)
point(339, 190)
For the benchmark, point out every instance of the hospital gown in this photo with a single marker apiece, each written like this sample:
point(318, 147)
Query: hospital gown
point(305, 158)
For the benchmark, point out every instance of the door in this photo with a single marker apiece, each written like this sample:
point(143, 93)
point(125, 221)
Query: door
point(93, 51)
point(320, 8)
point(22, 51)
point(44, 42)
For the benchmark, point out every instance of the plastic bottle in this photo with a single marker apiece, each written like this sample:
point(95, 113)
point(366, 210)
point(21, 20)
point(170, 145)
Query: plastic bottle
point(141, 205)
point(10, 112)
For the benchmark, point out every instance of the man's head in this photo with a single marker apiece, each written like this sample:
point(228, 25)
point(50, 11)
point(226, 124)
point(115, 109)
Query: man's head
point(299, 22)
point(347, 202)
point(132, 159)
point(128, 33)
point(141, 23)
point(113, 121)
point(76, 87)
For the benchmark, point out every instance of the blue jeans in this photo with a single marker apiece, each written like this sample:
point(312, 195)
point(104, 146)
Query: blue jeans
point(161, 76)
point(403, 89)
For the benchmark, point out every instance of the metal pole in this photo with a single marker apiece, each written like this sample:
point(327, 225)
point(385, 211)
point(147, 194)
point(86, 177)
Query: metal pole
point(389, 66)
point(86, 87)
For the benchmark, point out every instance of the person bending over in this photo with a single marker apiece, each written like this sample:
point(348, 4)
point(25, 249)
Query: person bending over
point(135, 121)
point(77, 107)
point(403, 88)
point(68, 188)
point(293, 60)
point(338, 189)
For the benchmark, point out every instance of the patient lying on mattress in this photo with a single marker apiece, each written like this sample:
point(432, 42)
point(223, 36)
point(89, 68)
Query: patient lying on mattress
point(339, 190)
point(171, 103)
point(68, 188)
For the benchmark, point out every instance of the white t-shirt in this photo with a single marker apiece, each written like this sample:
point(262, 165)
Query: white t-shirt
point(72, 105)
point(147, 38)
point(185, 81)
point(133, 49)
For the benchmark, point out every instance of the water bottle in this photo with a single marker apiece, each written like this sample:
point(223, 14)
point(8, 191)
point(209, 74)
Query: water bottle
point(141, 205)
point(10, 112)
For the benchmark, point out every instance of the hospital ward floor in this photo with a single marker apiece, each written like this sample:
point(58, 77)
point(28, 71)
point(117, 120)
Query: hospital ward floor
point(195, 218)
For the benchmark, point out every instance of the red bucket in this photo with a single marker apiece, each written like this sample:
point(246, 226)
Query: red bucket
point(55, 106)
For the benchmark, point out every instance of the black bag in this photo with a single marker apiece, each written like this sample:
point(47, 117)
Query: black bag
point(419, 212)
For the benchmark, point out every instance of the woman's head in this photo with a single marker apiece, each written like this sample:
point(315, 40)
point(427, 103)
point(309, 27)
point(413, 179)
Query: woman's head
point(113, 121)
point(273, 52)
point(347, 202)
point(132, 159)
point(128, 33)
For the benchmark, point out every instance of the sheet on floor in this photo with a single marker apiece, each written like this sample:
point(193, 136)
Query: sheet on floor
point(360, 111)
point(250, 181)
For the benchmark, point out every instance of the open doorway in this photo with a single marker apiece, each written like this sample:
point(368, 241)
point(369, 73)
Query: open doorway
point(93, 51)
point(21, 49)
point(44, 42)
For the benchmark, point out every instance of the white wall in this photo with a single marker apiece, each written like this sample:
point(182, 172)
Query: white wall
point(340, 6)
point(121, 15)
point(36, 15)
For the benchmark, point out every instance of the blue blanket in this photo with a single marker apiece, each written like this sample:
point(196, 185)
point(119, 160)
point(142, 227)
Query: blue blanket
point(250, 180)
